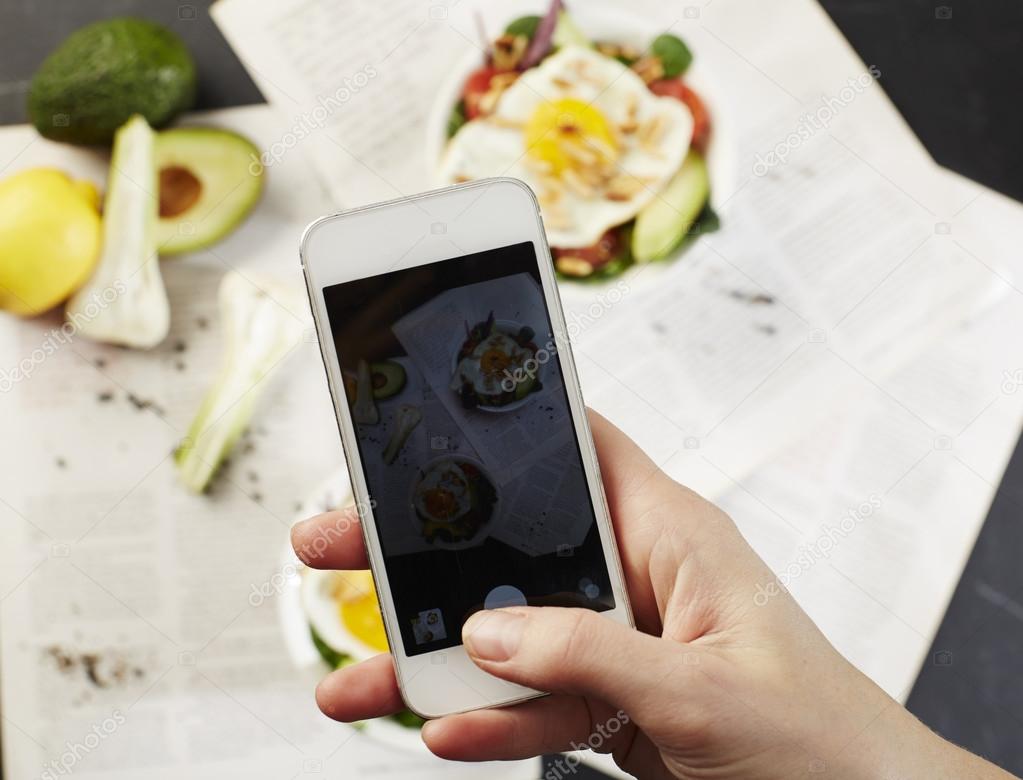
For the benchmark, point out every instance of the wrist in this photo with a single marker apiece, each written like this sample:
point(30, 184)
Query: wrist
point(894, 743)
point(862, 733)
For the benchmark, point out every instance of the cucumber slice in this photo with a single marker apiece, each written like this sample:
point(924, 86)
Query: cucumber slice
point(665, 221)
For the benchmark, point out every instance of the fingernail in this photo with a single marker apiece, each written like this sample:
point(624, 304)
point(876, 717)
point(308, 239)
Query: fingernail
point(493, 635)
point(297, 527)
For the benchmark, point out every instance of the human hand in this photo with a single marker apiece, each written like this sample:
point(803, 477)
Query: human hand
point(715, 683)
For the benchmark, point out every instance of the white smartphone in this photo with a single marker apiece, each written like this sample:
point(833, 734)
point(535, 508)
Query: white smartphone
point(463, 424)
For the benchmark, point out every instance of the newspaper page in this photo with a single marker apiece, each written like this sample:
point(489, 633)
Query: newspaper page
point(847, 268)
point(869, 521)
point(512, 438)
point(145, 631)
point(831, 237)
point(355, 83)
point(361, 90)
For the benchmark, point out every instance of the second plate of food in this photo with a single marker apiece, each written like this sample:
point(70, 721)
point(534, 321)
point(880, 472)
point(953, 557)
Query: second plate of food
point(497, 368)
point(454, 502)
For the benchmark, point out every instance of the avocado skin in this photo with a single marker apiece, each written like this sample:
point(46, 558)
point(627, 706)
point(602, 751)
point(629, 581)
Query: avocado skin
point(105, 72)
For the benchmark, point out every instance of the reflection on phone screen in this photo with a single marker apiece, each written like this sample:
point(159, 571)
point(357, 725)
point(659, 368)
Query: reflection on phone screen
point(470, 455)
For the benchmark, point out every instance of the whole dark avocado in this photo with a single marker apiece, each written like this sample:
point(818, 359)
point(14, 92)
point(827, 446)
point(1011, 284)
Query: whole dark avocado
point(107, 71)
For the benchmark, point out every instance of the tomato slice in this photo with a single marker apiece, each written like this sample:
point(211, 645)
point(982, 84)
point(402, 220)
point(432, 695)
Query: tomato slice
point(476, 86)
point(574, 262)
point(701, 117)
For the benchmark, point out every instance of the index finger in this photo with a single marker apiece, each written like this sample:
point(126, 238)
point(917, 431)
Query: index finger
point(332, 540)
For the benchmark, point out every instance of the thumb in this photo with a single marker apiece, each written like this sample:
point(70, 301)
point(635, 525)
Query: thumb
point(577, 651)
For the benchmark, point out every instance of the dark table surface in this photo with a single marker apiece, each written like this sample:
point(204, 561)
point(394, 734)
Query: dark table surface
point(955, 71)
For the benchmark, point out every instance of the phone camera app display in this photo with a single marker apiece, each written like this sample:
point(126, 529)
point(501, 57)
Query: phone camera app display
point(456, 390)
point(428, 626)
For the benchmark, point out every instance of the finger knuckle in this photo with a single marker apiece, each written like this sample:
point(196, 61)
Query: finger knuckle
point(575, 641)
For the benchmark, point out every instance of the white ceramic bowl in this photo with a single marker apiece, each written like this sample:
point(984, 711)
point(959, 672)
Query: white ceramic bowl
point(509, 327)
point(604, 22)
point(294, 621)
point(484, 530)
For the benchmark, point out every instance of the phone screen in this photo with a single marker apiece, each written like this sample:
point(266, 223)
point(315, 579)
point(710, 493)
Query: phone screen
point(465, 435)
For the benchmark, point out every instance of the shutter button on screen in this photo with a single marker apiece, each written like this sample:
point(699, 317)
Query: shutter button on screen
point(504, 596)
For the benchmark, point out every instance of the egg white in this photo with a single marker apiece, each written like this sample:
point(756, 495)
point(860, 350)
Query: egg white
point(322, 609)
point(469, 369)
point(496, 145)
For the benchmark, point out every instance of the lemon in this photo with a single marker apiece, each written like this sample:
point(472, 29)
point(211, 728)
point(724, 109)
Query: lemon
point(49, 238)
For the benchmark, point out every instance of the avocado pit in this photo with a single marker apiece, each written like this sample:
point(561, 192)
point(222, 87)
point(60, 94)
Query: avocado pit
point(208, 185)
point(179, 190)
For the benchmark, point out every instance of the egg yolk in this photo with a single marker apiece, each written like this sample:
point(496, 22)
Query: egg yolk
point(569, 134)
point(494, 361)
point(360, 611)
point(440, 502)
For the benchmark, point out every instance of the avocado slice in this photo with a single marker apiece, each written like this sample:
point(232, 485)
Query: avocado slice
point(104, 73)
point(525, 386)
point(664, 222)
point(210, 179)
point(388, 379)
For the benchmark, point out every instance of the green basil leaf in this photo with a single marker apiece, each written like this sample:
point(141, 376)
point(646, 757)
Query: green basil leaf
point(673, 54)
point(524, 25)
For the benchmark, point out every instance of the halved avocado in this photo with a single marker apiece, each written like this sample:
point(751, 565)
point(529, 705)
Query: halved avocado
point(388, 379)
point(209, 181)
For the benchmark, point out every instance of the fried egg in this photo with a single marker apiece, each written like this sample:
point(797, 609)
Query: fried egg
point(443, 493)
point(495, 360)
point(585, 132)
point(342, 607)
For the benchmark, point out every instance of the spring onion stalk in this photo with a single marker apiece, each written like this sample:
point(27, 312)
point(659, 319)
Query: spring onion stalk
point(124, 301)
point(405, 420)
point(259, 333)
point(365, 410)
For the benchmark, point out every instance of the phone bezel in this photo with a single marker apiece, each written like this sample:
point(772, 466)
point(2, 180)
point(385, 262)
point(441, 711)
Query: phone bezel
point(421, 229)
